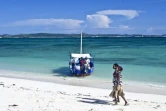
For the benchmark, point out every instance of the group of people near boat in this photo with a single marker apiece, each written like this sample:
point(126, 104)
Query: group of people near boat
point(117, 84)
point(81, 64)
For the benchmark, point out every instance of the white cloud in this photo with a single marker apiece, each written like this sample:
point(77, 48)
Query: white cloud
point(59, 23)
point(124, 27)
point(98, 21)
point(101, 19)
point(128, 13)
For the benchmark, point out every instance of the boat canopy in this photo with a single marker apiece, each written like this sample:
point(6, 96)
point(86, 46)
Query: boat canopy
point(74, 55)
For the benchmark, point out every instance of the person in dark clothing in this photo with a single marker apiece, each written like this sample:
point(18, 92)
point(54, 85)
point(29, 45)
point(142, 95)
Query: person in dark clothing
point(117, 82)
point(118, 85)
point(112, 94)
point(82, 65)
point(73, 65)
point(114, 74)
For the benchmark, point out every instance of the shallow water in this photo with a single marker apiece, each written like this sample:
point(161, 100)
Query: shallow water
point(143, 59)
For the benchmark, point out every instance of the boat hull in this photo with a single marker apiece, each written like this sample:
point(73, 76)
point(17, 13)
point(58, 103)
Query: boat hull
point(79, 71)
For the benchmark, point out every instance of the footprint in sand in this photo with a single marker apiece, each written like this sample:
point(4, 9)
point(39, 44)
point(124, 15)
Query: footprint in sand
point(13, 84)
point(120, 109)
point(24, 88)
point(14, 105)
point(136, 100)
point(1, 84)
point(158, 106)
point(86, 95)
point(145, 101)
point(59, 92)
point(79, 94)
point(91, 109)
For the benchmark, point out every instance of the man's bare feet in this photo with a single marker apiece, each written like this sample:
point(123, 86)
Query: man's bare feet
point(126, 104)
point(117, 101)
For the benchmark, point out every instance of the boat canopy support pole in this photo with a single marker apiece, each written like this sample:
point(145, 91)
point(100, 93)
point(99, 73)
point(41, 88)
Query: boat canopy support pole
point(81, 44)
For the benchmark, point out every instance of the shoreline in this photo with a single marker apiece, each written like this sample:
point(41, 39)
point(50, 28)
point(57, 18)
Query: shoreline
point(128, 87)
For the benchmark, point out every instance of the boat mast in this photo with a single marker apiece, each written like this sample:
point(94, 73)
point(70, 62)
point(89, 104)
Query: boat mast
point(81, 44)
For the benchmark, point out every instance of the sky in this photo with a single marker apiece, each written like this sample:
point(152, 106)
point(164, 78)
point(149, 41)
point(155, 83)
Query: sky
point(88, 16)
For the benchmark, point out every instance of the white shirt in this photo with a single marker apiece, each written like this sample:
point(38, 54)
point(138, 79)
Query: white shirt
point(87, 61)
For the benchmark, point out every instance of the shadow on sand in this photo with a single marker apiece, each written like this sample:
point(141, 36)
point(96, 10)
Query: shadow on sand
point(62, 71)
point(65, 72)
point(95, 101)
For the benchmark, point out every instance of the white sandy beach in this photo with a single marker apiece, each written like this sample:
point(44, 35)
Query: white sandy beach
point(28, 95)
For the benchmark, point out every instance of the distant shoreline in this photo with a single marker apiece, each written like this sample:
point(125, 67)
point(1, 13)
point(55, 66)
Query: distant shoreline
point(49, 35)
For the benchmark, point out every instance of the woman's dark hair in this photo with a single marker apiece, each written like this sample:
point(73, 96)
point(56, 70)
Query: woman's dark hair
point(120, 68)
point(115, 64)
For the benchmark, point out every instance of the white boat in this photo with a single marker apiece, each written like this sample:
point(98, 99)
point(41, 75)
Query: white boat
point(81, 64)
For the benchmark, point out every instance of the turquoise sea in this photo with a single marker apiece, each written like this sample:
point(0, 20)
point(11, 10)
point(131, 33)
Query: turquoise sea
point(143, 59)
